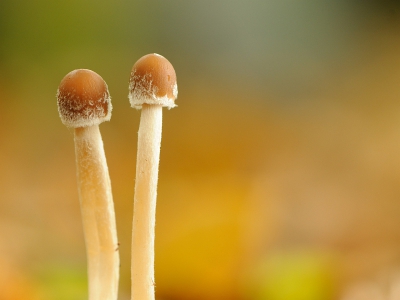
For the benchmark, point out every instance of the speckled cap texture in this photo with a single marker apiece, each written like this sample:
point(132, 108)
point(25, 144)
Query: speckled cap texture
point(83, 99)
point(153, 81)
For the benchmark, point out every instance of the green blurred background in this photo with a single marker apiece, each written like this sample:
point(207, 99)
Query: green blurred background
point(280, 167)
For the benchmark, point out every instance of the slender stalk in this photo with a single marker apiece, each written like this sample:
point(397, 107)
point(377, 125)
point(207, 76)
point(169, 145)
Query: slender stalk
point(148, 154)
point(97, 214)
point(152, 85)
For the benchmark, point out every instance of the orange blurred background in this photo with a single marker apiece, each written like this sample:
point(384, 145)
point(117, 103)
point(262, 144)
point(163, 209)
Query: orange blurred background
point(280, 167)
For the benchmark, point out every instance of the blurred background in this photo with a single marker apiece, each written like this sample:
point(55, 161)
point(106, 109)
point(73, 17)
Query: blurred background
point(280, 167)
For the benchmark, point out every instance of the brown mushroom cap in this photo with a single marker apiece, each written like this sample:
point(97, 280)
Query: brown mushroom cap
point(153, 81)
point(83, 99)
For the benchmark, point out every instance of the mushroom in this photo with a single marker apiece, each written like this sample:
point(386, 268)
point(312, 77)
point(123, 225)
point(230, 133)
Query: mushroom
point(83, 103)
point(152, 86)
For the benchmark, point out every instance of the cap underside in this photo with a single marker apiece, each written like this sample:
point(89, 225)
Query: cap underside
point(75, 113)
point(143, 91)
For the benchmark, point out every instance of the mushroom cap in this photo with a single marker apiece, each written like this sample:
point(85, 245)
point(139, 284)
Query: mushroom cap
point(83, 99)
point(153, 81)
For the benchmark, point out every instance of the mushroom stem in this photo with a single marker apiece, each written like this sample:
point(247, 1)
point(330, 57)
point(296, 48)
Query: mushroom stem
point(97, 214)
point(152, 86)
point(148, 154)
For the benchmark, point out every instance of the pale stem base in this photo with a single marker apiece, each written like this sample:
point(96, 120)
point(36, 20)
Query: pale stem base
point(148, 155)
point(98, 214)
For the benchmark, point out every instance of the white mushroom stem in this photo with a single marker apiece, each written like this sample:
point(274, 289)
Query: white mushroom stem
point(148, 155)
point(97, 214)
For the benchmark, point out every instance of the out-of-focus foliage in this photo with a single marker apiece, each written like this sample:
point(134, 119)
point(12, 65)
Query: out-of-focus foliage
point(280, 167)
point(61, 281)
point(298, 275)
